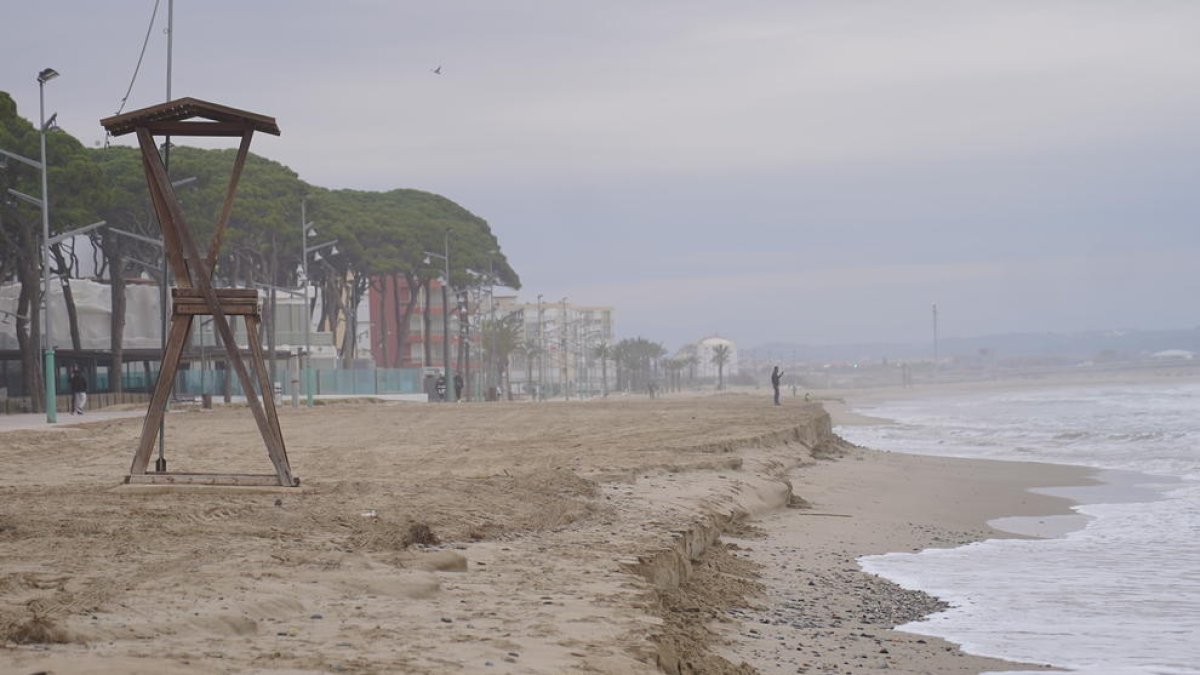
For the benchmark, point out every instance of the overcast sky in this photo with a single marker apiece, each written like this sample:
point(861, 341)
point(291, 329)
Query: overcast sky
point(808, 172)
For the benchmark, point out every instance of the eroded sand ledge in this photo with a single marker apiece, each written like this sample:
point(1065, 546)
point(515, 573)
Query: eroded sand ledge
point(573, 538)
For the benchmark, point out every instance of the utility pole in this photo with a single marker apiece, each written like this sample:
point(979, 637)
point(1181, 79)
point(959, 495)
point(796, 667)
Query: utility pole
point(541, 350)
point(562, 346)
point(307, 359)
point(308, 230)
point(160, 464)
point(490, 351)
point(446, 321)
point(464, 336)
point(271, 312)
point(935, 341)
point(445, 256)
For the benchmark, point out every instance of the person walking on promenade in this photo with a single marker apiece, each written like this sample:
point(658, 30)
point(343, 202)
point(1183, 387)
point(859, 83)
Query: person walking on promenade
point(776, 379)
point(78, 391)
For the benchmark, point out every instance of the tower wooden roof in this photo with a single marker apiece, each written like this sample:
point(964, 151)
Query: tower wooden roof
point(171, 118)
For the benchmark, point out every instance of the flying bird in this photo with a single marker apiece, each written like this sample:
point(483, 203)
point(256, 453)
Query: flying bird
point(437, 71)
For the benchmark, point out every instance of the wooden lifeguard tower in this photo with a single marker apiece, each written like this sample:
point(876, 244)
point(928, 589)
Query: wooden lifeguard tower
point(194, 294)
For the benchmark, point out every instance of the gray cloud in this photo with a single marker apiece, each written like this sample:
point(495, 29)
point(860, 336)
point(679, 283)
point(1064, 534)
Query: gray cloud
point(703, 164)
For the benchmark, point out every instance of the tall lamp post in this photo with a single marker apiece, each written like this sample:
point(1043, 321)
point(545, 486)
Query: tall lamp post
point(43, 77)
point(445, 257)
point(490, 351)
point(562, 345)
point(541, 351)
point(464, 339)
point(275, 331)
point(307, 230)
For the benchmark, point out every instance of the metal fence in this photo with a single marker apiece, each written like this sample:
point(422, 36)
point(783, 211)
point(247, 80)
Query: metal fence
point(360, 381)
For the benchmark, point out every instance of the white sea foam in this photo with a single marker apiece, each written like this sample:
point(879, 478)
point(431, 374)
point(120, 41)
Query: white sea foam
point(1122, 594)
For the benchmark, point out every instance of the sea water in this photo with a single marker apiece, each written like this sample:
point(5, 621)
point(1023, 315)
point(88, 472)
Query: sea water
point(1118, 594)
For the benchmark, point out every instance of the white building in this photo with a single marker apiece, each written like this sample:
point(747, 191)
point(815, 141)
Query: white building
point(560, 342)
point(143, 321)
point(704, 350)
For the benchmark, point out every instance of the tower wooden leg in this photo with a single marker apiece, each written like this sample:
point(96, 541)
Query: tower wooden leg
point(277, 450)
point(221, 322)
point(180, 325)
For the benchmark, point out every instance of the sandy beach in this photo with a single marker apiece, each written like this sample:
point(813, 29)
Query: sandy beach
point(693, 534)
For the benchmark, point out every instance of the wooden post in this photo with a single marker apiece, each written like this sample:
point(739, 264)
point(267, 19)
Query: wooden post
point(180, 325)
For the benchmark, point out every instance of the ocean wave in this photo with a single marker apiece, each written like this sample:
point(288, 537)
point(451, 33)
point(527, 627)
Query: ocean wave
point(1072, 435)
point(1122, 591)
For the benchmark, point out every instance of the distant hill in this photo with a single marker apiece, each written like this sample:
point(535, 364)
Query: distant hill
point(1090, 345)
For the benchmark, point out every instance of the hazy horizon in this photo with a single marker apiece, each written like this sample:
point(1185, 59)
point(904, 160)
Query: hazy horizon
point(773, 171)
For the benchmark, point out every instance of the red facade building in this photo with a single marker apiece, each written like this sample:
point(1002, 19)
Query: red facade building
point(389, 296)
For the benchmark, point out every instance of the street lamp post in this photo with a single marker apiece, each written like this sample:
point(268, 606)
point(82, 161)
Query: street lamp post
point(160, 464)
point(43, 77)
point(139, 237)
point(491, 356)
point(275, 329)
point(464, 339)
point(541, 351)
point(446, 322)
point(445, 313)
point(307, 230)
point(58, 238)
point(304, 227)
point(51, 394)
point(562, 345)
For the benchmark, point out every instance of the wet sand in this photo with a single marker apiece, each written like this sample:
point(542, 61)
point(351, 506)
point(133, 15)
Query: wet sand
point(820, 613)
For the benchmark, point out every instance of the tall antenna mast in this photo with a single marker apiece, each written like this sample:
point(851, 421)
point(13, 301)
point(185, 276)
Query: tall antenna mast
point(935, 341)
point(160, 464)
point(170, 39)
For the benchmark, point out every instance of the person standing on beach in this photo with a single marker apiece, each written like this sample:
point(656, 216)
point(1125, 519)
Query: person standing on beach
point(78, 391)
point(776, 379)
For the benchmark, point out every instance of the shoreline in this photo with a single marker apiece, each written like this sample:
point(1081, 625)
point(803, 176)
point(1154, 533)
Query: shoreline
point(945, 503)
point(820, 612)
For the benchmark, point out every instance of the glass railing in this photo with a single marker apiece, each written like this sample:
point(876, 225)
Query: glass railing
point(361, 382)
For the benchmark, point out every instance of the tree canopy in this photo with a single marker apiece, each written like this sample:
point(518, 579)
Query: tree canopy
point(378, 233)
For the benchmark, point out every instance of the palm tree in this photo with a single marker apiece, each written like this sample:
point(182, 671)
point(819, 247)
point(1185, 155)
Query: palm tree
point(504, 337)
point(720, 357)
point(530, 353)
point(620, 353)
point(692, 361)
point(674, 368)
point(603, 352)
point(636, 359)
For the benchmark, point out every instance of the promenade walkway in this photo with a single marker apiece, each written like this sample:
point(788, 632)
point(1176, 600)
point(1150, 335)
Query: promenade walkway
point(37, 421)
